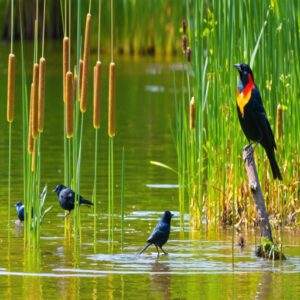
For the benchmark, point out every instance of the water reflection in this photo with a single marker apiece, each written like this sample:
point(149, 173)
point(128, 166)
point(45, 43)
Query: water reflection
point(160, 280)
point(265, 287)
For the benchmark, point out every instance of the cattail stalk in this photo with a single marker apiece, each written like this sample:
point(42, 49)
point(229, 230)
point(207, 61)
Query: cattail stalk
point(112, 100)
point(279, 121)
point(80, 75)
point(35, 101)
point(69, 104)
point(85, 69)
point(41, 94)
point(33, 159)
point(11, 88)
point(192, 113)
point(75, 83)
point(97, 94)
point(30, 138)
point(66, 49)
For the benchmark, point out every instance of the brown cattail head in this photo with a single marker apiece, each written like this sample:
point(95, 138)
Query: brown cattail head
point(66, 46)
point(97, 94)
point(35, 101)
point(184, 43)
point(80, 75)
point(41, 94)
point(184, 26)
point(188, 54)
point(112, 100)
point(279, 121)
point(30, 138)
point(69, 104)
point(85, 68)
point(192, 113)
point(11, 88)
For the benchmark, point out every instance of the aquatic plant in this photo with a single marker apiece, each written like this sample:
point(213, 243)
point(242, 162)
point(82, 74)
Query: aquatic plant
point(111, 132)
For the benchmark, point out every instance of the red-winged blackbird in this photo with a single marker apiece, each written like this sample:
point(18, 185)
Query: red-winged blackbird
point(66, 197)
point(252, 116)
point(160, 233)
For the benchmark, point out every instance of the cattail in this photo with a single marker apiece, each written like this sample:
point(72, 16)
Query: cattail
point(184, 26)
point(75, 83)
point(69, 104)
point(192, 113)
point(41, 94)
point(85, 68)
point(30, 138)
point(80, 75)
point(97, 94)
point(11, 88)
point(35, 101)
point(112, 100)
point(279, 121)
point(188, 54)
point(184, 43)
point(66, 46)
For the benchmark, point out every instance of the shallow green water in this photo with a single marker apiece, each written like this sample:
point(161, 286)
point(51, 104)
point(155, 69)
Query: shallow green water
point(198, 264)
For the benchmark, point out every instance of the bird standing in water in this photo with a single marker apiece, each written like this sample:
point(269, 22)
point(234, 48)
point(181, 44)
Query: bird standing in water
point(20, 210)
point(253, 117)
point(66, 198)
point(160, 233)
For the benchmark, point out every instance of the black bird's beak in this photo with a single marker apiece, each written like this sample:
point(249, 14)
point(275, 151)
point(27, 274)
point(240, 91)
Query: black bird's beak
point(237, 66)
point(53, 190)
point(172, 215)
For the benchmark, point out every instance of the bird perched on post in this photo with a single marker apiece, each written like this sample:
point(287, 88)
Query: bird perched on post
point(66, 198)
point(253, 117)
point(20, 210)
point(160, 233)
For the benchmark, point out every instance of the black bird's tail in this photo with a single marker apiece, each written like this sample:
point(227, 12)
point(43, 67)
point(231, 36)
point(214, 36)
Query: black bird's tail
point(148, 244)
point(84, 201)
point(274, 166)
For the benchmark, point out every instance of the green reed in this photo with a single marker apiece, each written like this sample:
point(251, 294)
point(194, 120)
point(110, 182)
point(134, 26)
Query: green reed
point(221, 34)
point(122, 197)
point(96, 115)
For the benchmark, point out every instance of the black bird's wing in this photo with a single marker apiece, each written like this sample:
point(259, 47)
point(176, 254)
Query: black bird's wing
point(266, 134)
point(67, 195)
point(160, 232)
point(268, 140)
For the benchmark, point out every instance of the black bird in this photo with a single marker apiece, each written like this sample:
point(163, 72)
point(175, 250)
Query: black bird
point(160, 233)
point(20, 210)
point(66, 197)
point(253, 117)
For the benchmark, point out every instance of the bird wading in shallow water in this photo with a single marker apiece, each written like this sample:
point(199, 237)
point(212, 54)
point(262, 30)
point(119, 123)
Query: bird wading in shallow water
point(252, 116)
point(160, 233)
point(20, 210)
point(66, 198)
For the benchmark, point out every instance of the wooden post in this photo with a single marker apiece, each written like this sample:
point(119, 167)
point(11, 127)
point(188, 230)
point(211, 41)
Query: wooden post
point(263, 219)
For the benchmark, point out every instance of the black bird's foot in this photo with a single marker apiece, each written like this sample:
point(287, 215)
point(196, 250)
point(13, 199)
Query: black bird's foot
point(246, 148)
point(249, 150)
point(166, 253)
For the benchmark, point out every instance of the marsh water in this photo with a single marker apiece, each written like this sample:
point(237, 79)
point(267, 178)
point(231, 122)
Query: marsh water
point(201, 264)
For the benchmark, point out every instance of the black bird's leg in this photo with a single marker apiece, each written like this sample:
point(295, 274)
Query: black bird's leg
point(157, 250)
point(68, 214)
point(166, 253)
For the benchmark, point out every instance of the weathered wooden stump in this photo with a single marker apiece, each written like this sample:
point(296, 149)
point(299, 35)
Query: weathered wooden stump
point(267, 248)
